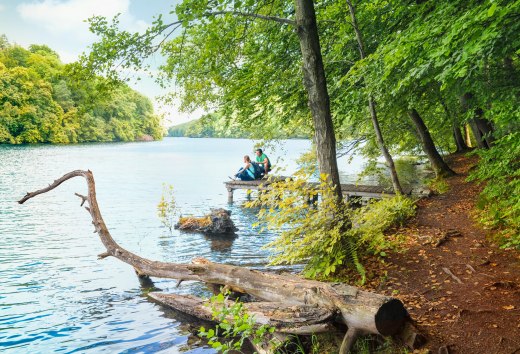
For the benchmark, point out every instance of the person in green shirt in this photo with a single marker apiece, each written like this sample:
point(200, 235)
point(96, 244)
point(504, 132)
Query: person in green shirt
point(263, 161)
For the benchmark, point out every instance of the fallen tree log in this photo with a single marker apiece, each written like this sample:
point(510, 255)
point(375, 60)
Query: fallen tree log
point(290, 319)
point(363, 312)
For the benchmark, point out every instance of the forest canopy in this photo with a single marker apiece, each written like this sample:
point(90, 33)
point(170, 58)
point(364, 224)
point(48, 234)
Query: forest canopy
point(40, 102)
point(432, 76)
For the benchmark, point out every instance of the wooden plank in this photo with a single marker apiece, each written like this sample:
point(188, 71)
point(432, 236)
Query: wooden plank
point(351, 190)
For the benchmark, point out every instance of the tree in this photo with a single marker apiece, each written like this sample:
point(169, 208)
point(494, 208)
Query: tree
point(316, 85)
point(372, 108)
point(439, 166)
point(196, 16)
point(39, 103)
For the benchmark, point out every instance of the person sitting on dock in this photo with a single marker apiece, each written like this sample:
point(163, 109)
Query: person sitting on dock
point(246, 173)
point(263, 161)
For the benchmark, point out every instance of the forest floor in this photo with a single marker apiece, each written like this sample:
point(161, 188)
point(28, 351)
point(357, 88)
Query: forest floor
point(462, 291)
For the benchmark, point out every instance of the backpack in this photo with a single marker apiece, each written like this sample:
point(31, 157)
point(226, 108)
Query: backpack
point(258, 170)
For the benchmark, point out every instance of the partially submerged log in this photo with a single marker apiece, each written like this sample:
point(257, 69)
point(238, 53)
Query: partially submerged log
point(218, 221)
point(290, 319)
point(363, 312)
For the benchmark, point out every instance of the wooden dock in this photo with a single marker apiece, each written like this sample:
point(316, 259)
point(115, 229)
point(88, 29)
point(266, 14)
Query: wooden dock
point(364, 192)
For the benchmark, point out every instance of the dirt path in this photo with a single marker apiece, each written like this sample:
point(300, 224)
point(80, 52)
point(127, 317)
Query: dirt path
point(476, 308)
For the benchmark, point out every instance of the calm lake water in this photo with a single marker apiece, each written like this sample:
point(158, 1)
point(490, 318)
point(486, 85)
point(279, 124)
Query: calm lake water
point(55, 296)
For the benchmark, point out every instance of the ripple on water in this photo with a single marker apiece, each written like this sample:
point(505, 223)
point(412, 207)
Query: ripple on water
point(56, 296)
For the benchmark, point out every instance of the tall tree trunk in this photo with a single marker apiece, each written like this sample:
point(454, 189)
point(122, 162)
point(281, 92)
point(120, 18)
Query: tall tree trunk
point(457, 135)
point(468, 135)
point(316, 86)
point(459, 139)
point(372, 107)
point(439, 166)
point(485, 128)
point(479, 138)
point(481, 127)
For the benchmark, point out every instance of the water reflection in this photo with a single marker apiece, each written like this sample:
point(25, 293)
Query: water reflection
point(222, 242)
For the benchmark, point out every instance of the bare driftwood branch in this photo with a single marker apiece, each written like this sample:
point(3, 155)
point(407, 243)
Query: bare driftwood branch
point(362, 311)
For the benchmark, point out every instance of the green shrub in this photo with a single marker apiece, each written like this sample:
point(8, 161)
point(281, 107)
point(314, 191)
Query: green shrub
point(438, 185)
point(234, 324)
point(499, 202)
point(370, 223)
point(329, 235)
point(167, 208)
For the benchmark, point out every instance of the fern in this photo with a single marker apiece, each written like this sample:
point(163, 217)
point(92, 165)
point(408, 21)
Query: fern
point(328, 236)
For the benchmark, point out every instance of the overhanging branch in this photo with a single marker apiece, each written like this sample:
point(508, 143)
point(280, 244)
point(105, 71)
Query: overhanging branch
point(282, 20)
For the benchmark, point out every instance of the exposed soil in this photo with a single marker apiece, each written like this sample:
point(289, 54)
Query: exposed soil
point(476, 308)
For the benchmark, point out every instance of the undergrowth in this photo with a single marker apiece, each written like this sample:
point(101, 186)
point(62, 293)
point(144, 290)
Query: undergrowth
point(331, 234)
point(499, 202)
point(234, 326)
point(438, 185)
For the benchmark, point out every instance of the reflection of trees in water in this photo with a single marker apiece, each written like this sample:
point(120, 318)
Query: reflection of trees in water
point(221, 243)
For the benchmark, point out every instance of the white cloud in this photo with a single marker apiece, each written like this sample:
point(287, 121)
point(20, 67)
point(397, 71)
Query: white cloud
point(60, 17)
point(2, 7)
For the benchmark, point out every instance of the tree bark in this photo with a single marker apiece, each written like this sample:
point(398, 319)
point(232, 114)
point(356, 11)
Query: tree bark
point(360, 310)
point(372, 108)
point(481, 127)
point(457, 135)
point(318, 96)
point(468, 135)
point(284, 317)
point(439, 166)
point(485, 128)
point(481, 143)
point(459, 139)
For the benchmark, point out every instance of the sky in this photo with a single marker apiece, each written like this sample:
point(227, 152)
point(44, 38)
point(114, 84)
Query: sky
point(61, 25)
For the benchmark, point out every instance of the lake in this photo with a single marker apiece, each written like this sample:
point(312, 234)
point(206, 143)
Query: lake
point(55, 296)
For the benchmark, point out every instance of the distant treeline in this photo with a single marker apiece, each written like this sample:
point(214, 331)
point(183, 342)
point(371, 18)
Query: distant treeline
point(41, 103)
point(215, 125)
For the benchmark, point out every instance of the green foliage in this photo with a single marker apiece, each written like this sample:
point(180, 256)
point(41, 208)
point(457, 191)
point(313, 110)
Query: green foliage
point(234, 324)
point(40, 103)
point(330, 234)
point(209, 126)
point(438, 185)
point(167, 208)
point(218, 126)
point(499, 170)
point(370, 223)
point(317, 236)
point(425, 55)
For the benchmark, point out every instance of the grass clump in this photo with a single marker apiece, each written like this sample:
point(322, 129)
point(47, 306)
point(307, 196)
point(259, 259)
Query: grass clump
point(438, 185)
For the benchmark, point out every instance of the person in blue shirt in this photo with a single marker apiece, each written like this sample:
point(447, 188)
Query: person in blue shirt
point(246, 173)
